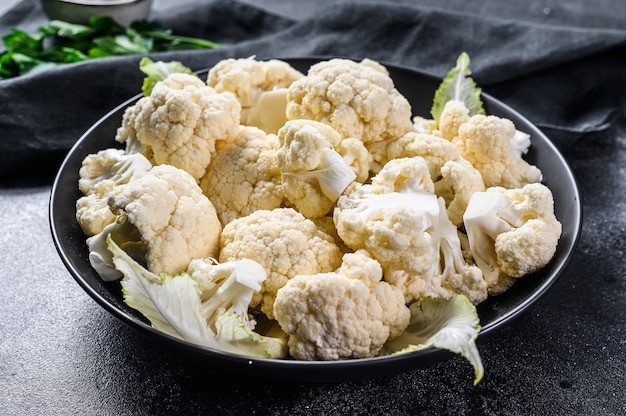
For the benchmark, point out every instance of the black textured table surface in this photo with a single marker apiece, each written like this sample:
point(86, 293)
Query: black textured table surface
point(61, 353)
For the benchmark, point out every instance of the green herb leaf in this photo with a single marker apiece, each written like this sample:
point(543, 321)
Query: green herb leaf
point(66, 30)
point(61, 42)
point(458, 85)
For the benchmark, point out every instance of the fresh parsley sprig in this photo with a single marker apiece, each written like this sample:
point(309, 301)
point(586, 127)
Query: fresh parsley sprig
point(61, 42)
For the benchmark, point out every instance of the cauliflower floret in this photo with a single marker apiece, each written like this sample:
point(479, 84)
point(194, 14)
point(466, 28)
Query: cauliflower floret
point(459, 180)
point(358, 99)
point(511, 232)
point(435, 150)
point(285, 243)
point(163, 215)
point(99, 174)
point(260, 87)
point(424, 125)
point(453, 115)
point(180, 123)
point(244, 177)
point(349, 313)
point(455, 178)
point(390, 216)
point(405, 226)
point(449, 274)
point(314, 174)
point(487, 143)
point(405, 174)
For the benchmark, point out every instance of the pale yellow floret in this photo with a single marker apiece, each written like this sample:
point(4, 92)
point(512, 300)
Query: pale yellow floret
point(511, 232)
point(285, 243)
point(358, 99)
point(455, 178)
point(100, 173)
point(453, 115)
point(317, 164)
point(260, 88)
point(176, 221)
point(485, 141)
point(244, 177)
point(180, 123)
point(349, 313)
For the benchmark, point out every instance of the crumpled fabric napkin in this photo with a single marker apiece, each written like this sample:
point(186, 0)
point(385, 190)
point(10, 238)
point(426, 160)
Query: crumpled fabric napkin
point(568, 81)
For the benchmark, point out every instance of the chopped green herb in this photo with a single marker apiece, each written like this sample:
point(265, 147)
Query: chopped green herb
point(61, 42)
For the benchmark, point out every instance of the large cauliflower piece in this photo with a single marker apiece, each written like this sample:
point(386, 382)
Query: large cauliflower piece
point(260, 88)
point(285, 243)
point(358, 99)
point(390, 217)
point(244, 177)
point(490, 144)
point(176, 221)
point(180, 123)
point(511, 232)
point(349, 313)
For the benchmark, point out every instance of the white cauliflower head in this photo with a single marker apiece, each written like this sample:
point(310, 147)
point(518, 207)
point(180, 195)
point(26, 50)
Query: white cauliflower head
point(349, 313)
point(511, 232)
point(285, 243)
point(175, 220)
point(180, 123)
point(244, 177)
point(358, 99)
point(260, 88)
point(390, 217)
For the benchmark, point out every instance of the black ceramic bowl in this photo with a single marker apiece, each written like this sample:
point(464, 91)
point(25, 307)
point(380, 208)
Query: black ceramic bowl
point(494, 313)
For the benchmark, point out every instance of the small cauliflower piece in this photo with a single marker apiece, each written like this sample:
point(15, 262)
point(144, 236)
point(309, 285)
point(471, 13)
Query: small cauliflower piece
point(453, 115)
point(260, 88)
point(390, 216)
point(486, 142)
point(99, 174)
point(349, 313)
point(244, 177)
point(435, 150)
point(358, 99)
point(404, 174)
point(424, 125)
point(314, 174)
point(180, 123)
point(285, 243)
point(459, 180)
point(163, 215)
point(511, 232)
point(455, 178)
point(226, 287)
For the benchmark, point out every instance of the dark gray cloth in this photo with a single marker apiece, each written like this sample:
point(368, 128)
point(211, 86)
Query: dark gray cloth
point(569, 81)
